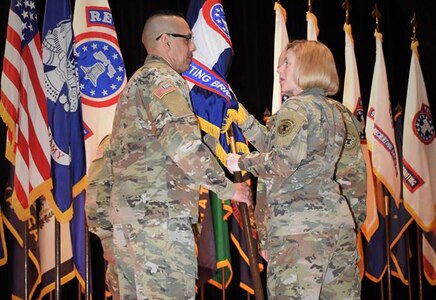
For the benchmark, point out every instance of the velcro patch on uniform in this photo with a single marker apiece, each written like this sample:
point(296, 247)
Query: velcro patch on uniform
point(351, 141)
point(164, 88)
point(285, 127)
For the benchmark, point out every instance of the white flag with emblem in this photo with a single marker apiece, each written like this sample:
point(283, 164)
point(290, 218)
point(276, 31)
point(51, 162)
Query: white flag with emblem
point(380, 129)
point(419, 150)
point(101, 69)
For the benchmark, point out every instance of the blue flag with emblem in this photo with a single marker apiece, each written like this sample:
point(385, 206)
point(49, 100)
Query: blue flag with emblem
point(212, 98)
point(68, 163)
point(216, 107)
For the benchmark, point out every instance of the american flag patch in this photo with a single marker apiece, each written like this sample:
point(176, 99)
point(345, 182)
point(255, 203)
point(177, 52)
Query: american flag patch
point(164, 88)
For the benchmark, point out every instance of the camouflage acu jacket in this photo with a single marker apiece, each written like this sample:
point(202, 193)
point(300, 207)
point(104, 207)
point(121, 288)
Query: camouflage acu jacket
point(98, 192)
point(158, 158)
point(296, 164)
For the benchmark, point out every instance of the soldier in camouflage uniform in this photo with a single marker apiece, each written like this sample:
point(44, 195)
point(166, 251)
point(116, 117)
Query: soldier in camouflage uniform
point(312, 181)
point(158, 164)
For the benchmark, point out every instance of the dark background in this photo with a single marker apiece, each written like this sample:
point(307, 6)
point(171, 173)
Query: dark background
point(251, 26)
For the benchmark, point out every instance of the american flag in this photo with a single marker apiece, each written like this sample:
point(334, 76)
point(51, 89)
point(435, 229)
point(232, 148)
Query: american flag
point(23, 108)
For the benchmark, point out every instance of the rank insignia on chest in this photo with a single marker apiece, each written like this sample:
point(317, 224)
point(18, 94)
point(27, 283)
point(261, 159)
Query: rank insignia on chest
point(164, 89)
point(285, 127)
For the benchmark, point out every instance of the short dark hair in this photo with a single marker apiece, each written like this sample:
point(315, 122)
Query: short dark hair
point(166, 12)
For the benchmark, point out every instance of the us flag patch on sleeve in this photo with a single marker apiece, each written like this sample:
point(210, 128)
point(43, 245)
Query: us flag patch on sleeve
point(164, 88)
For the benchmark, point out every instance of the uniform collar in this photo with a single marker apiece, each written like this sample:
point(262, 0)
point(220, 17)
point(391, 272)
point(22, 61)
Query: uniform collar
point(312, 91)
point(155, 58)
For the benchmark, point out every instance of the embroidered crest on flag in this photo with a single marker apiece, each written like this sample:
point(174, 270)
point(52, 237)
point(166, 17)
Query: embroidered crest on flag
point(423, 125)
point(101, 72)
point(217, 19)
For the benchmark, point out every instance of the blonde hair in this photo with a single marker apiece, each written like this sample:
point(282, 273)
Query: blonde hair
point(314, 66)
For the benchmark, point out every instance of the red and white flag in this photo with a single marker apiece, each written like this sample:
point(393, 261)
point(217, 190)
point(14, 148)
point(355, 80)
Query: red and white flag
point(102, 74)
point(24, 110)
point(380, 129)
point(419, 163)
point(352, 100)
point(281, 39)
point(419, 150)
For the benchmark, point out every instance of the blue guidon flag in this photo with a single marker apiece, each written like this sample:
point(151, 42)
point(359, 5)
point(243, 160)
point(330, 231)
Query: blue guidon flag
point(212, 97)
point(102, 74)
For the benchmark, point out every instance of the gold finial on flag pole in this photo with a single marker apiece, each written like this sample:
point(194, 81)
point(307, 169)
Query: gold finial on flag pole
point(414, 24)
point(347, 6)
point(377, 15)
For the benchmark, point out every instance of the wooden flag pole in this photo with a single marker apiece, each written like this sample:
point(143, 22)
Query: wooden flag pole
point(246, 228)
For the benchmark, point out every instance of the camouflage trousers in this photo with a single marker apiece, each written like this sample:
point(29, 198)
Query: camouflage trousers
point(316, 265)
point(156, 261)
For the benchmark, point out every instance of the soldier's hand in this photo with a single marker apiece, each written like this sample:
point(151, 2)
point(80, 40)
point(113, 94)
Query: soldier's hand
point(242, 193)
point(232, 162)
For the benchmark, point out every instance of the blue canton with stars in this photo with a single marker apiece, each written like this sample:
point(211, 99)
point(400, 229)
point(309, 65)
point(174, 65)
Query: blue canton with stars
point(219, 18)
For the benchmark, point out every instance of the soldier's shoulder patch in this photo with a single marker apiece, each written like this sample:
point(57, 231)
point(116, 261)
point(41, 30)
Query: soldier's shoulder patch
point(288, 127)
point(289, 123)
point(164, 88)
point(285, 127)
point(352, 139)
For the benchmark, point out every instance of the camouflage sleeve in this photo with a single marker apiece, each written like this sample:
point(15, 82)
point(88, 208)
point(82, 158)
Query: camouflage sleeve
point(351, 169)
point(254, 132)
point(98, 190)
point(289, 145)
point(179, 133)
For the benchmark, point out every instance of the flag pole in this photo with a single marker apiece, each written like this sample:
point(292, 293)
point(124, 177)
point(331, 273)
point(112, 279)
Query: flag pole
point(376, 14)
point(87, 265)
point(419, 257)
point(57, 261)
point(347, 6)
point(409, 278)
point(414, 25)
point(223, 280)
point(246, 228)
point(387, 238)
point(26, 260)
point(418, 229)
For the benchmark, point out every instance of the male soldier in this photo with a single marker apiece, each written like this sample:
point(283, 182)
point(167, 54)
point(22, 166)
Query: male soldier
point(158, 163)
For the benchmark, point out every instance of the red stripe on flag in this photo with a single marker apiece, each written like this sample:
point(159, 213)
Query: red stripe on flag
point(429, 255)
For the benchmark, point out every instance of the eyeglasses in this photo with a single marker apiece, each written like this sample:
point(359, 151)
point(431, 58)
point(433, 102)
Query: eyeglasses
point(188, 37)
